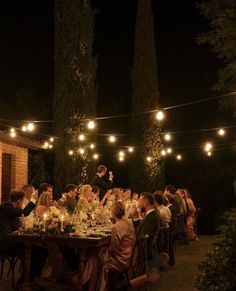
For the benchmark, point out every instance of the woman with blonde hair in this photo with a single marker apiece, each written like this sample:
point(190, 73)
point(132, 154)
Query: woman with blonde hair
point(45, 198)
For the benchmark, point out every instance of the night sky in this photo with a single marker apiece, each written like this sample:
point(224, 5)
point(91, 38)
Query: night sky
point(186, 71)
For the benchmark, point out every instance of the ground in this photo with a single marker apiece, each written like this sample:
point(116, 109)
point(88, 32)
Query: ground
point(181, 277)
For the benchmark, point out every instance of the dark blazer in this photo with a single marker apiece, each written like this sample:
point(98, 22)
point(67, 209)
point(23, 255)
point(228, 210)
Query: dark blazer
point(149, 225)
point(104, 186)
point(9, 220)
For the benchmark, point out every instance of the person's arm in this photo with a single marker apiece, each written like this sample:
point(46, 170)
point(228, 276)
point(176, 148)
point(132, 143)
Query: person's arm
point(17, 212)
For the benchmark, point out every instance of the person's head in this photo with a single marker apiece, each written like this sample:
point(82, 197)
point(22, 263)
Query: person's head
point(158, 198)
point(16, 198)
point(170, 189)
point(86, 191)
point(180, 193)
point(117, 193)
point(135, 196)
point(45, 188)
point(71, 189)
point(28, 190)
point(127, 194)
point(118, 210)
point(96, 190)
point(146, 201)
point(101, 170)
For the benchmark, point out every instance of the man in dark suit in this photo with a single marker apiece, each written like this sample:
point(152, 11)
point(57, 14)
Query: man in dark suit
point(69, 200)
point(151, 223)
point(10, 212)
point(98, 181)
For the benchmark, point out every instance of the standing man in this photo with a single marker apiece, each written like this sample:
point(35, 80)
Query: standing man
point(98, 181)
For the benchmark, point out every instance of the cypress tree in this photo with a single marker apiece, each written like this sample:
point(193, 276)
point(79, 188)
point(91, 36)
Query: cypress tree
point(145, 175)
point(74, 86)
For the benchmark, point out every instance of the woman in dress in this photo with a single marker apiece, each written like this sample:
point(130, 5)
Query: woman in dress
point(45, 199)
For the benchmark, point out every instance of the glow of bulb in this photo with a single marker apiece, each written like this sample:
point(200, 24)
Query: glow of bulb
point(91, 124)
point(81, 151)
point(92, 146)
point(12, 134)
point(95, 156)
point(46, 144)
point(24, 128)
point(160, 115)
point(121, 153)
point(71, 152)
point(221, 132)
point(163, 152)
point(208, 146)
point(209, 154)
point(50, 146)
point(51, 139)
point(30, 126)
point(149, 159)
point(130, 149)
point(121, 158)
point(179, 157)
point(81, 137)
point(169, 150)
point(112, 139)
point(167, 137)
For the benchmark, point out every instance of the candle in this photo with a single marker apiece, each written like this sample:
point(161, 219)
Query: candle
point(62, 223)
point(45, 216)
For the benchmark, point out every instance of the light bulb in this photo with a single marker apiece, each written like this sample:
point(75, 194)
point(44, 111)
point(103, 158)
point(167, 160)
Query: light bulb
point(112, 139)
point(160, 115)
point(91, 124)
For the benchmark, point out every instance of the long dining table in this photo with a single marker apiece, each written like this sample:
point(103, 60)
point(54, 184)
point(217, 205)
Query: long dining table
point(81, 243)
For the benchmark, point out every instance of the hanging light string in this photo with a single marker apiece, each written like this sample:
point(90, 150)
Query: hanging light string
point(134, 114)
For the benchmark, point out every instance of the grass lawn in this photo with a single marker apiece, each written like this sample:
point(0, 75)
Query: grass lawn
point(182, 276)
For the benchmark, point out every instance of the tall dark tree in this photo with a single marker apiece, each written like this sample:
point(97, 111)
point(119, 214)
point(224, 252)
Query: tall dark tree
point(222, 39)
point(145, 175)
point(74, 91)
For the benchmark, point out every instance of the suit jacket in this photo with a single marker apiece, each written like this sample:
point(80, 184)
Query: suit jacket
point(9, 220)
point(104, 186)
point(149, 225)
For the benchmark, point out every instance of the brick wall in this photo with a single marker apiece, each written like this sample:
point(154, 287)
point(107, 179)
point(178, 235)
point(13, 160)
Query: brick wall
point(19, 165)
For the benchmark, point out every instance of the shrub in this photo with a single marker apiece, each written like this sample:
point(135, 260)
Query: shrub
point(218, 271)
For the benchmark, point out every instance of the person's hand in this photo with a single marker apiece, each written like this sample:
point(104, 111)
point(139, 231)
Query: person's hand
point(111, 177)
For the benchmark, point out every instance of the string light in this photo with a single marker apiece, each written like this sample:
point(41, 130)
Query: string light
point(95, 156)
point(208, 146)
point(51, 139)
point(169, 150)
point(221, 132)
point(24, 128)
point(50, 146)
point(179, 157)
point(121, 158)
point(12, 132)
point(91, 124)
point(149, 159)
point(160, 115)
point(121, 154)
point(112, 138)
point(81, 137)
point(92, 146)
point(46, 145)
point(30, 126)
point(167, 137)
point(71, 153)
point(81, 151)
point(209, 154)
point(163, 152)
point(130, 149)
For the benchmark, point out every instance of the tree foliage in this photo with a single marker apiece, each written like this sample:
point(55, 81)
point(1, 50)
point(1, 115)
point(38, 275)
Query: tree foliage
point(145, 130)
point(74, 85)
point(218, 271)
point(222, 39)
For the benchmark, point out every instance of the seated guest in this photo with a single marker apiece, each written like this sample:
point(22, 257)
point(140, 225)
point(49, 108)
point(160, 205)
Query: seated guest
point(9, 222)
point(45, 198)
point(86, 196)
point(151, 222)
point(28, 190)
point(69, 201)
point(164, 211)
